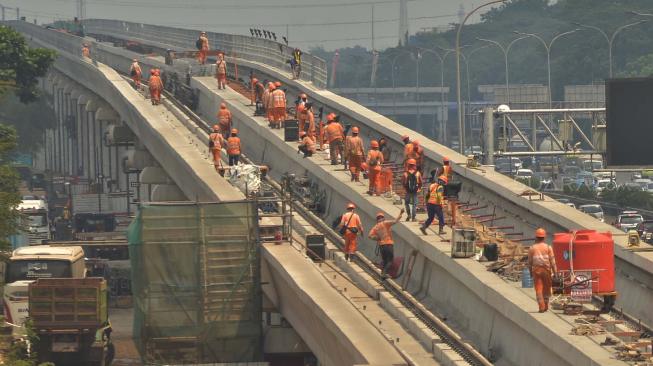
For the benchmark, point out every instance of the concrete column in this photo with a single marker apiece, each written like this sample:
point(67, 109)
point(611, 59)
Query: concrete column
point(166, 193)
point(81, 168)
point(66, 129)
point(91, 139)
point(488, 135)
point(105, 116)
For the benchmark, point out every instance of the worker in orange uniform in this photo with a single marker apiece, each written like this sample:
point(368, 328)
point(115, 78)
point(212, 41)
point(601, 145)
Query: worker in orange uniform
point(312, 128)
point(252, 89)
point(302, 116)
point(542, 266)
point(382, 234)
point(301, 101)
point(267, 102)
point(419, 155)
point(354, 153)
point(86, 51)
point(215, 146)
point(374, 162)
point(446, 168)
point(156, 86)
point(335, 134)
point(221, 71)
point(306, 144)
point(136, 73)
point(412, 182)
point(233, 147)
point(278, 97)
point(435, 202)
point(224, 120)
point(350, 227)
point(410, 152)
point(203, 47)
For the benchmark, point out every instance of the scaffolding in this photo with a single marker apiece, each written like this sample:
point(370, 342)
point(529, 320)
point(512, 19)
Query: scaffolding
point(196, 282)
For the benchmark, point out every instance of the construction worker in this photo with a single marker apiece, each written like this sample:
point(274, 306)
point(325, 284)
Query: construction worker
point(419, 152)
point(542, 266)
point(382, 234)
point(354, 153)
point(307, 144)
point(267, 102)
point(203, 47)
point(446, 168)
point(383, 148)
point(302, 116)
point(412, 182)
point(351, 227)
point(156, 86)
point(233, 147)
point(215, 146)
point(335, 133)
point(296, 63)
point(308, 108)
point(435, 202)
point(86, 51)
point(410, 152)
point(252, 86)
point(278, 100)
point(224, 120)
point(136, 73)
point(221, 71)
point(374, 162)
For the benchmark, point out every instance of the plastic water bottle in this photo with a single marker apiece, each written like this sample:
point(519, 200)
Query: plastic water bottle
point(526, 279)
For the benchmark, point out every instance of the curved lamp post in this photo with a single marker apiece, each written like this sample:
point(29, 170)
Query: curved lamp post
point(506, 52)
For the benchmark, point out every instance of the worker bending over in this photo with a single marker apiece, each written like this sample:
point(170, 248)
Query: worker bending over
point(382, 234)
point(354, 154)
point(542, 266)
point(374, 162)
point(156, 86)
point(307, 144)
point(136, 74)
point(412, 182)
point(224, 120)
point(278, 97)
point(215, 146)
point(233, 147)
point(435, 203)
point(221, 71)
point(203, 47)
point(335, 134)
point(350, 227)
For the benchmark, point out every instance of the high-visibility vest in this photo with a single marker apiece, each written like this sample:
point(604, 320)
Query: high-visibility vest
point(409, 151)
point(233, 146)
point(436, 194)
point(278, 99)
point(375, 155)
point(383, 232)
point(541, 255)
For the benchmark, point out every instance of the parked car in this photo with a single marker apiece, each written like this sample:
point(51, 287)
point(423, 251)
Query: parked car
point(524, 174)
point(645, 231)
point(628, 220)
point(593, 210)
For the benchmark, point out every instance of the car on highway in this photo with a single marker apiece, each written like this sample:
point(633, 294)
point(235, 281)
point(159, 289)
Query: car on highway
point(593, 210)
point(628, 220)
point(604, 184)
point(645, 231)
point(516, 162)
point(524, 174)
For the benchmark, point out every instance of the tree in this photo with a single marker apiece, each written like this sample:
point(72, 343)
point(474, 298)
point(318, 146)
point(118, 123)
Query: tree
point(9, 182)
point(29, 120)
point(643, 66)
point(21, 65)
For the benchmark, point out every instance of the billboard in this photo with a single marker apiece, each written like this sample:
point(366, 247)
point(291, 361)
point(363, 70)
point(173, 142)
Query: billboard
point(629, 107)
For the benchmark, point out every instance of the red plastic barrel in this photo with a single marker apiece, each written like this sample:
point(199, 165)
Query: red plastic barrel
point(591, 252)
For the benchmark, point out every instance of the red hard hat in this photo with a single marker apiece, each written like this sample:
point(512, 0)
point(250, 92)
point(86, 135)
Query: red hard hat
point(445, 159)
point(444, 179)
point(374, 144)
point(351, 206)
point(254, 80)
point(354, 130)
point(540, 233)
point(234, 131)
point(411, 162)
point(216, 128)
point(331, 116)
point(379, 215)
point(277, 84)
point(404, 137)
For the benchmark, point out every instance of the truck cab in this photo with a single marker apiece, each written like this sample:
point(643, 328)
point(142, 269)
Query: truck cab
point(35, 215)
point(27, 264)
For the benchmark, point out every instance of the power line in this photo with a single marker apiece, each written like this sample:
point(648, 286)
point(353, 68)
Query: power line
point(284, 7)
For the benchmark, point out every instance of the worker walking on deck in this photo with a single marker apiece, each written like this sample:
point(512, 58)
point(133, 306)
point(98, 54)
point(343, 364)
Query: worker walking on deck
point(419, 155)
point(354, 153)
point(221, 71)
point(279, 103)
point(410, 152)
point(446, 168)
point(156, 86)
point(202, 44)
point(307, 144)
point(86, 51)
point(310, 118)
point(335, 134)
point(215, 146)
point(350, 227)
point(542, 266)
point(434, 203)
point(374, 162)
point(136, 73)
point(412, 182)
point(267, 102)
point(233, 147)
point(224, 120)
point(382, 234)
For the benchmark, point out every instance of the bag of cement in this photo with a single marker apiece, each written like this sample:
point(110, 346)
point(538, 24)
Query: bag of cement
point(246, 177)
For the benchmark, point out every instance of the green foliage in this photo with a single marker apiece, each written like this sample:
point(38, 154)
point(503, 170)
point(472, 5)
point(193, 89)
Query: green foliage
point(582, 191)
point(533, 182)
point(642, 66)
point(20, 65)
point(9, 183)
point(30, 120)
point(629, 197)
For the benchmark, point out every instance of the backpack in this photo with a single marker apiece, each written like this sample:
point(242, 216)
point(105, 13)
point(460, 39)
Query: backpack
point(198, 44)
point(411, 182)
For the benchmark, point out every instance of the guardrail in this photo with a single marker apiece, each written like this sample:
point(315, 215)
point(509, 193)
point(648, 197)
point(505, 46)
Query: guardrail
point(252, 49)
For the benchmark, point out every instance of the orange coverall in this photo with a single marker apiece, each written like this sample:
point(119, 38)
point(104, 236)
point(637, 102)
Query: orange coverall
point(221, 72)
point(541, 263)
point(334, 135)
point(278, 107)
point(201, 55)
point(216, 149)
point(350, 238)
point(136, 72)
point(374, 172)
point(355, 153)
point(224, 121)
point(155, 88)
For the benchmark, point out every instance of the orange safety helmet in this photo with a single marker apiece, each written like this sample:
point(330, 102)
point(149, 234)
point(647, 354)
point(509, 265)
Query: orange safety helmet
point(374, 144)
point(216, 128)
point(351, 206)
point(354, 130)
point(254, 80)
point(404, 138)
point(380, 215)
point(157, 72)
point(331, 116)
point(540, 233)
point(271, 86)
point(411, 162)
point(302, 133)
point(444, 179)
point(277, 84)
point(234, 131)
point(445, 160)
point(223, 106)
point(416, 142)
point(303, 96)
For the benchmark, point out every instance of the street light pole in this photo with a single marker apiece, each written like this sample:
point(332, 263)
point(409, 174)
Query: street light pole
point(506, 52)
point(461, 126)
point(610, 39)
point(548, 55)
point(392, 74)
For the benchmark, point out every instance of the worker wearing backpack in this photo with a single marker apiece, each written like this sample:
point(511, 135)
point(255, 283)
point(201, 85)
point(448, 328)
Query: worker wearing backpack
point(412, 182)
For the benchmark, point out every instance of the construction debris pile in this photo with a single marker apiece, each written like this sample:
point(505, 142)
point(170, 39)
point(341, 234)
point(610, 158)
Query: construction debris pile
point(245, 177)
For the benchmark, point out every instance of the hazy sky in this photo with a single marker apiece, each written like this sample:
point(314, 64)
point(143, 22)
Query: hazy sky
point(309, 23)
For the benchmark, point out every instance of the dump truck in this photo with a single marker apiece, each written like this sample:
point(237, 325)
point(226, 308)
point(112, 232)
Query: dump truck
point(70, 318)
